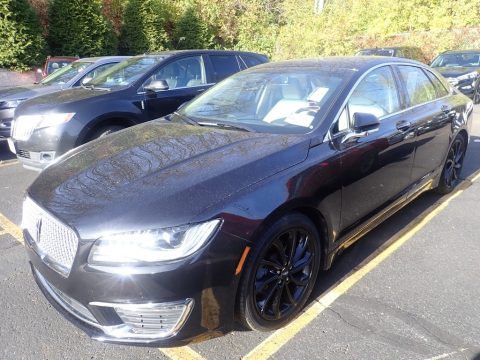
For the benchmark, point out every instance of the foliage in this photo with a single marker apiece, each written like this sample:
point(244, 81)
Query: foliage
point(146, 27)
point(190, 32)
point(22, 44)
point(77, 27)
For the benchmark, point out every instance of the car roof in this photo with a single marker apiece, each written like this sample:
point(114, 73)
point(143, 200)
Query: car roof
point(56, 58)
point(103, 58)
point(207, 51)
point(338, 63)
point(470, 51)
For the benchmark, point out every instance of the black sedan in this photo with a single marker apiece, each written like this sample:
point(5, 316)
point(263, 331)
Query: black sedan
point(462, 70)
point(165, 232)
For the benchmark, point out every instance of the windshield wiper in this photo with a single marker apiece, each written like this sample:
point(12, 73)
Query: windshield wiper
point(186, 119)
point(226, 126)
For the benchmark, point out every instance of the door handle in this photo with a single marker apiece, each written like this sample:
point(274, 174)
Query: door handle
point(200, 90)
point(403, 125)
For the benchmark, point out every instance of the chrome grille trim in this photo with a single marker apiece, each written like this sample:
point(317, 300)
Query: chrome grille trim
point(53, 241)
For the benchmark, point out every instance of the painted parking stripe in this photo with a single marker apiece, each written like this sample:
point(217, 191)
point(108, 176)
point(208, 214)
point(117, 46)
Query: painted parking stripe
point(185, 352)
point(8, 162)
point(10, 228)
point(280, 337)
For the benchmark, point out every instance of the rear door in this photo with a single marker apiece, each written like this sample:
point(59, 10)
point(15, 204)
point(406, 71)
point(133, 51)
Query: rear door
point(376, 166)
point(430, 113)
point(186, 78)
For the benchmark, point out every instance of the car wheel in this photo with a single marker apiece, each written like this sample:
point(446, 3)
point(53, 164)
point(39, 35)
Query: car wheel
point(450, 176)
point(106, 130)
point(280, 274)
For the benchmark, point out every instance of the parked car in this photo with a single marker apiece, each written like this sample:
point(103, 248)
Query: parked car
point(462, 70)
point(67, 77)
point(143, 88)
point(53, 63)
point(407, 52)
point(162, 233)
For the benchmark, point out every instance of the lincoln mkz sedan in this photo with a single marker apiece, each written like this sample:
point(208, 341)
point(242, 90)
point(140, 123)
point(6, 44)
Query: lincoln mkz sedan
point(165, 232)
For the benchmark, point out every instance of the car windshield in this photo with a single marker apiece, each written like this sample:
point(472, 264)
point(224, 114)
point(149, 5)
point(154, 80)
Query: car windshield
point(457, 60)
point(53, 65)
point(66, 73)
point(376, 52)
point(269, 100)
point(126, 72)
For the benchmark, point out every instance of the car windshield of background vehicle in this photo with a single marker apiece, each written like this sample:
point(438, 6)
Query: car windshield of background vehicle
point(270, 100)
point(126, 72)
point(457, 60)
point(65, 74)
point(56, 65)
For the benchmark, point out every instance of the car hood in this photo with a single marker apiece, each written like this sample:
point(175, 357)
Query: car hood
point(158, 174)
point(449, 71)
point(56, 101)
point(26, 92)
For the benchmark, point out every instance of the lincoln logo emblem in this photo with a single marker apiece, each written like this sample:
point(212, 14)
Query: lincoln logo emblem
point(39, 229)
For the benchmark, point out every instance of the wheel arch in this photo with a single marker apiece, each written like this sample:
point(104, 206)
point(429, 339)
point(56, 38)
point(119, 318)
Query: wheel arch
point(98, 123)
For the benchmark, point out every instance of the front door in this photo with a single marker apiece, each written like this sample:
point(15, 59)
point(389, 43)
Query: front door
point(186, 79)
point(376, 166)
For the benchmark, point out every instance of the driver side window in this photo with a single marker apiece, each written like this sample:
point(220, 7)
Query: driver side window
point(185, 72)
point(376, 94)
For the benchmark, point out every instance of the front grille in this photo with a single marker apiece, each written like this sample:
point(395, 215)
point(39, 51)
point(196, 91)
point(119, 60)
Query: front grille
point(55, 242)
point(23, 153)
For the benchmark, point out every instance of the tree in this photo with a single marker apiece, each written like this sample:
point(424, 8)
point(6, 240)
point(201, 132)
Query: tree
point(189, 31)
point(145, 24)
point(22, 44)
point(77, 27)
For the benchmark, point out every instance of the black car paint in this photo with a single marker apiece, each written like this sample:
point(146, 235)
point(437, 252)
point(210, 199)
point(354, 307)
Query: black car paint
point(161, 174)
point(95, 108)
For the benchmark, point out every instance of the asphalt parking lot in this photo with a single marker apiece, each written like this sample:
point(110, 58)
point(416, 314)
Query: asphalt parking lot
point(408, 290)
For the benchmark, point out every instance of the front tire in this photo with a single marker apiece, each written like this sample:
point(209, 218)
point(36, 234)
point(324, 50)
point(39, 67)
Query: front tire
point(450, 176)
point(280, 274)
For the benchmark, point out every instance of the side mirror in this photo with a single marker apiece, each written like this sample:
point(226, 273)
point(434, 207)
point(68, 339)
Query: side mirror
point(86, 80)
point(157, 85)
point(365, 122)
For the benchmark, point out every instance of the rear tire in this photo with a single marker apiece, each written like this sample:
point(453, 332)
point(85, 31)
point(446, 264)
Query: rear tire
point(450, 176)
point(280, 274)
point(105, 130)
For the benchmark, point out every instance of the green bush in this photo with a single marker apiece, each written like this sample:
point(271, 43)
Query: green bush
point(145, 24)
point(22, 45)
point(190, 32)
point(77, 27)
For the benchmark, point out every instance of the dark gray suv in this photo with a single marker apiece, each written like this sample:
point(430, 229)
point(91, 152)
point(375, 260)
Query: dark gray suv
point(142, 88)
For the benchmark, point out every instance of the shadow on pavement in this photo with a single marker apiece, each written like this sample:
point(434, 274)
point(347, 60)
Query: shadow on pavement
point(5, 153)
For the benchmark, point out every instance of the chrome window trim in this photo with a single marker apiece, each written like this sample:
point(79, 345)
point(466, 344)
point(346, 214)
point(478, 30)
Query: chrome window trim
point(178, 88)
point(330, 135)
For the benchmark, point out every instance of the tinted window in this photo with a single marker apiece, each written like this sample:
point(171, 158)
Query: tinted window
point(457, 59)
point(185, 72)
point(439, 87)
point(95, 72)
point(224, 65)
point(376, 94)
point(65, 74)
point(249, 61)
point(419, 88)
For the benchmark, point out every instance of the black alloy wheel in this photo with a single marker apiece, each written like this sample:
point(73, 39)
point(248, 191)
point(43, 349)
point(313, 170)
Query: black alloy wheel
point(453, 166)
point(281, 274)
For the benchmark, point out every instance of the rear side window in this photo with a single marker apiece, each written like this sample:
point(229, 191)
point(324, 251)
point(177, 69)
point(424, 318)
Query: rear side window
point(439, 87)
point(224, 65)
point(376, 94)
point(419, 87)
point(247, 61)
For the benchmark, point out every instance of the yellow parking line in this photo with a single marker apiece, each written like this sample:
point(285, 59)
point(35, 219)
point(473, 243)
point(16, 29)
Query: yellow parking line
point(8, 162)
point(181, 353)
point(10, 228)
point(280, 337)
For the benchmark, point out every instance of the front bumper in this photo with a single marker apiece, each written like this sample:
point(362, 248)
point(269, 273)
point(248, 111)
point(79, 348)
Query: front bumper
point(103, 304)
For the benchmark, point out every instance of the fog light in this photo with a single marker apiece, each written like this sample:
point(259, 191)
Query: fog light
point(149, 321)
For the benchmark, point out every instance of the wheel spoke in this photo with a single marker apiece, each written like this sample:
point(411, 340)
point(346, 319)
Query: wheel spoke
point(299, 282)
point(293, 236)
point(261, 285)
point(290, 296)
point(277, 300)
point(271, 264)
point(280, 249)
point(301, 264)
point(268, 298)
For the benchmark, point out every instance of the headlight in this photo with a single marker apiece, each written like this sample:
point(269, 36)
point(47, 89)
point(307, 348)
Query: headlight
point(10, 104)
point(44, 120)
point(143, 248)
point(472, 75)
